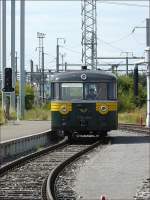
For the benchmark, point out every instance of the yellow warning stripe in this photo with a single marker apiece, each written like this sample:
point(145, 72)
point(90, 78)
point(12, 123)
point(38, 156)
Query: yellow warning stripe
point(63, 108)
point(105, 107)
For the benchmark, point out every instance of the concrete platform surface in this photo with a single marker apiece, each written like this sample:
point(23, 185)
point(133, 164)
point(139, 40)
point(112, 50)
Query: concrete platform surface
point(14, 130)
point(117, 170)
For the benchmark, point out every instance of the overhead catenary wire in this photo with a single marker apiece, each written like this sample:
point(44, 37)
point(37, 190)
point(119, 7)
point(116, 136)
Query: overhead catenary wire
point(74, 51)
point(124, 4)
point(136, 40)
point(122, 38)
point(127, 35)
point(109, 44)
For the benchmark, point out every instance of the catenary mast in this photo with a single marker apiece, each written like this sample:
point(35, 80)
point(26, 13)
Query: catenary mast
point(89, 33)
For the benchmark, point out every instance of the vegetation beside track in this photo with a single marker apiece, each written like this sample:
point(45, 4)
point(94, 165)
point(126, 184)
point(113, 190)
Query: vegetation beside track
point(128, 102)
point(132, 109)
point(33, 111)
point(138, 116)
point(39, 113)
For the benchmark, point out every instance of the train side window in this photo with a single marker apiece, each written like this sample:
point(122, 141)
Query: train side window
point(52, 90)
point(101, 91)
point(55, 90)
point(112, 91)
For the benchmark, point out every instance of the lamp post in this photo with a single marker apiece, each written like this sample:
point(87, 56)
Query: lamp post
point(41, 36)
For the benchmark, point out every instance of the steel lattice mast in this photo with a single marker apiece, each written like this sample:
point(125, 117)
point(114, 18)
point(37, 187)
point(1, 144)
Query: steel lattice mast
point(89, 33)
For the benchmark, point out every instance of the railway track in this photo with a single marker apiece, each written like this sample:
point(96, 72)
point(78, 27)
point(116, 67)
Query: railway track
point(60, 183)
point(23, 179)
point(39, 175)
point(135, 128)
point(57, 187)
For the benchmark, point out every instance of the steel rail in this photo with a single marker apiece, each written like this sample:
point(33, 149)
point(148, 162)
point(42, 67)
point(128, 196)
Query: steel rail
point(135, 128)
point(24, 159)
point(48, 188)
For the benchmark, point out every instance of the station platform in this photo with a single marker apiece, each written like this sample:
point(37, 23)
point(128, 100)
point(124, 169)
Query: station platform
point(17, 129)
point(115, 171)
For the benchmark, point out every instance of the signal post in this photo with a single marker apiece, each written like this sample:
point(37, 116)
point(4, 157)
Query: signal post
point(7, 90)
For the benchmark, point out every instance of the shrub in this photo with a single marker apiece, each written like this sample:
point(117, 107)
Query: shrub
point(127, 100)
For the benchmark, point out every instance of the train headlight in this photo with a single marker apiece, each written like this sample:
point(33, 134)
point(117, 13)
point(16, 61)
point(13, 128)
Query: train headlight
point(63, 110)
point(103, 109)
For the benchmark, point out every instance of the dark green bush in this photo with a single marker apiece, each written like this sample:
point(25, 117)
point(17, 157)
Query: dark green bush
point(126, 98)
point(29, 101)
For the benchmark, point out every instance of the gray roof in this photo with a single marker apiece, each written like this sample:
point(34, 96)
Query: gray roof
point(79, 76)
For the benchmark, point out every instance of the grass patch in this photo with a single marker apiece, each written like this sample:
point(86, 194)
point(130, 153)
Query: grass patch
point(137, 116)
point(2, 117)
point(37, 114)
point(42, 113)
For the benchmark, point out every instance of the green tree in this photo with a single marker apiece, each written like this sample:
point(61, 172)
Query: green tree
point(29, 95)
point(127, 100)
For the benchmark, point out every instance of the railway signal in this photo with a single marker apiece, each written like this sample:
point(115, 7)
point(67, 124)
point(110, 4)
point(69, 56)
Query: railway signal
point(8, 80)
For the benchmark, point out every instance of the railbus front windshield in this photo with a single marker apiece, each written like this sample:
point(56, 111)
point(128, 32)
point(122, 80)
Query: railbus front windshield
point(88, 91)
point(71, 91)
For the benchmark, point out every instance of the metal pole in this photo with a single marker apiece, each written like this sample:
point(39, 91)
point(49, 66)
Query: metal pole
point(31, 75)
point(18, 105)
point(136, 80)
point(3, 48)
point(57, 53)
point(49, 83)
point(13, 52)
point(0, 46)
point(0, 68)
point(22, 54)
point(40, 36)
point(148, 32)
point(62, 57)
point(40, 65)
point(16, 66)
point(147, 60)
point(127, 65)
point(65, 66)
point(57, 57)
point(39, 52)
point(43, 74)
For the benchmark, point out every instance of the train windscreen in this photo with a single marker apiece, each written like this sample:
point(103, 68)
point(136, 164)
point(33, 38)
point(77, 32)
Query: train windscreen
point(70, 91)
point(88, 91)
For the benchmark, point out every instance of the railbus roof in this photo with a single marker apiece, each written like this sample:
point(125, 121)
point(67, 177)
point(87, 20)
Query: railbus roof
point(83, 76)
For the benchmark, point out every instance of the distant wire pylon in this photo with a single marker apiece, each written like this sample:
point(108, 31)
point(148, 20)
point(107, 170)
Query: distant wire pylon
point(89, 33)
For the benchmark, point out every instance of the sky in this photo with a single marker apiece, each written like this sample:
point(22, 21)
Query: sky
point(115, 23)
